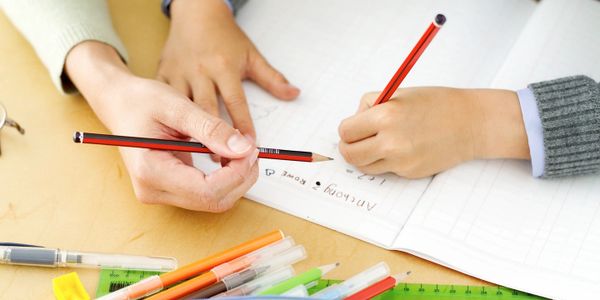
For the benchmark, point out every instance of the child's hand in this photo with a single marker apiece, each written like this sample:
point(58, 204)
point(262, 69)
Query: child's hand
point(422, 131)
point(206, 52)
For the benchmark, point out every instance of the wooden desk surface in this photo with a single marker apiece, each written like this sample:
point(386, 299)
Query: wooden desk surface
point(58, 194)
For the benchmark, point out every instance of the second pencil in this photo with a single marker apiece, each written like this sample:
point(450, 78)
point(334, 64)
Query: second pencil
point(172, 145)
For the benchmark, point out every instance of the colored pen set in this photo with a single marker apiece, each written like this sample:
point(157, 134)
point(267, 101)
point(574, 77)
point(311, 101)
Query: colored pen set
point(260, 267)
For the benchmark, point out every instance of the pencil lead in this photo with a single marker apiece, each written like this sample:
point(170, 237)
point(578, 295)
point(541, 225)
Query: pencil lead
point(319, 157)
point(398, 277)
point(327, 268)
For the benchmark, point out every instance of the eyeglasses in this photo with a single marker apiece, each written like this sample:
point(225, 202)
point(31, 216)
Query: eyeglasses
point(4, 120)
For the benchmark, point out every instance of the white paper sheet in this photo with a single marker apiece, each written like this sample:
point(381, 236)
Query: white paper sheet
point(337, 50)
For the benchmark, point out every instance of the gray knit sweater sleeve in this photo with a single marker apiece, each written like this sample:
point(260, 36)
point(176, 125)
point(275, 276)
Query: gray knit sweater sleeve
point(570, 113)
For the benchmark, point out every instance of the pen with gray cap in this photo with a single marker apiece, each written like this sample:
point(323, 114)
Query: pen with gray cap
point(49, 257)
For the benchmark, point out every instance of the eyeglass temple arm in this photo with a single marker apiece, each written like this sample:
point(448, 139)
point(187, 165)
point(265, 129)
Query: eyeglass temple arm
point(16, 125)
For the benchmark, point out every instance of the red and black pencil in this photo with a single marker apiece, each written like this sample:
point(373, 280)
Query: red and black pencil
point(411, 59)
point(183, 146)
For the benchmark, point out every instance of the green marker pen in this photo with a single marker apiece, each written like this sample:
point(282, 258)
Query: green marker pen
point(302, 279)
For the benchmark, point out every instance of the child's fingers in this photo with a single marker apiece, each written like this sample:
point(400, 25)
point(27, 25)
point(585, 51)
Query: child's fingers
point(261, 72)
point(181, 85)
point(230, 88)
point(367, 101)
point(363, 152)
point(358, 127)
point(204, 94)
point(376, 168)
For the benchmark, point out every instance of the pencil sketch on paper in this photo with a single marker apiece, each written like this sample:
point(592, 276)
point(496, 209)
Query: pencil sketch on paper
point(260, 112)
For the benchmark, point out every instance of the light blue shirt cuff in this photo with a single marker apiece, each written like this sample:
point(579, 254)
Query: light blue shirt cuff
point(228, 2)
point(533, 127)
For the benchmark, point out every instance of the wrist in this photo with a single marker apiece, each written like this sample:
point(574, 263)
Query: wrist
point(93, 66)
point(98, 72)
point(194, 11)
point(499, 127)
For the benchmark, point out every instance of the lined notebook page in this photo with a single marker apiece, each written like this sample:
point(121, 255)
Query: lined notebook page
point(337, 50)
point(492, 219)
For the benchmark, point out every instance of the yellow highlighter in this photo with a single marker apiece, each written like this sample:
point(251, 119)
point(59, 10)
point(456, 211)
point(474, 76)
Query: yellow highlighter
point(69, 287)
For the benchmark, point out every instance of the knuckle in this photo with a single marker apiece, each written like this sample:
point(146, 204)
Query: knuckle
point(365, 98)
point(371, 170)
point(344, 131)
point(386, 118)
point(143, 194)
point(412, 170)
point(368, 98)
point(389, 149)
point(364, 169)
point(277, 76)
point(211, 128)
point(345, 152)
point(236, 99)
point(208, 196)
point(220, 206)
point(238, 178)
point(141, 172)
point(222, 62)
point(253, 176)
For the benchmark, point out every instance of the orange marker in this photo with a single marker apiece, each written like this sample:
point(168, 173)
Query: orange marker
point(219, 272)
point(156, 283)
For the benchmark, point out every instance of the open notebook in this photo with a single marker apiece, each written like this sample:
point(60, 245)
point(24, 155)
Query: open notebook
point(490, 219)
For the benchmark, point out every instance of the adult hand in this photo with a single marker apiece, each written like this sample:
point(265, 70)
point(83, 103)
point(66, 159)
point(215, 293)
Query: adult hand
point(130, 105)
point(422, 131)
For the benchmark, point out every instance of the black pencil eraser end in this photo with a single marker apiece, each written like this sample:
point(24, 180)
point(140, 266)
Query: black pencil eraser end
point(77, 137)
point(440, 19)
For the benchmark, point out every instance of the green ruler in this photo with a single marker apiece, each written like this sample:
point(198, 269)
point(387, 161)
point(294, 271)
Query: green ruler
point(421, 291)
point(112, 280)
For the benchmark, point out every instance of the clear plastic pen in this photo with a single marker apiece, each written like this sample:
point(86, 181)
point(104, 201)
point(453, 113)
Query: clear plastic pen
point(252, 259)
point(49, 257)
point(286, 258)
point(260, 283)
point(355, 283)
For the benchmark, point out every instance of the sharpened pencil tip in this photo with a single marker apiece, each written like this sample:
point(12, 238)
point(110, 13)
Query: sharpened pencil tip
point(327, 268)
point(400, 276)
point(318, 157)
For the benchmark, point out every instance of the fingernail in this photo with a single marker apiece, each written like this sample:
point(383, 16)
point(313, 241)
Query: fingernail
point(238, 143)
point(253, 157)
point(250, 138)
